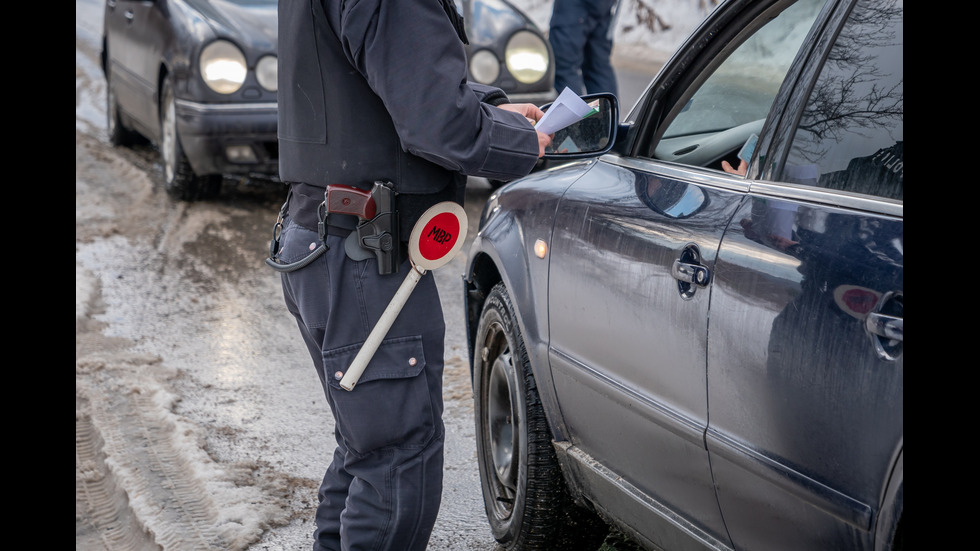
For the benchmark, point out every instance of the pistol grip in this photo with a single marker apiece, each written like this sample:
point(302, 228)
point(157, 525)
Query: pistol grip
point(344, 199)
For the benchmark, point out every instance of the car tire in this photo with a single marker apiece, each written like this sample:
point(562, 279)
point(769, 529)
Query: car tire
point(179, 178)
point(527, 503)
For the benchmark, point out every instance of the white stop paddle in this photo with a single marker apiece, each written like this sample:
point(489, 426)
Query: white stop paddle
point(435, 240)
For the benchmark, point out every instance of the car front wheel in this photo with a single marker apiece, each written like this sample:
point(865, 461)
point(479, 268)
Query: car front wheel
point(179, 178)
point(524, 492)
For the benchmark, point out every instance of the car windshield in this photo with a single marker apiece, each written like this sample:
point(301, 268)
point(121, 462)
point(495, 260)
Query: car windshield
point(742, 88)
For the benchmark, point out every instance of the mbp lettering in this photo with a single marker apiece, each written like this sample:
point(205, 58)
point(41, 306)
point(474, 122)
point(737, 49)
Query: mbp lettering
point(439, 235)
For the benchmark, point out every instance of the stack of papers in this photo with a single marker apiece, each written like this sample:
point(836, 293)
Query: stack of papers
point(568, 109)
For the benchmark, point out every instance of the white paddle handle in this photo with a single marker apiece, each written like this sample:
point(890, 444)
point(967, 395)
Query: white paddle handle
point(381, 328)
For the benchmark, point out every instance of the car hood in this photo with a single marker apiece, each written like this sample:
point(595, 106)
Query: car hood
point(251, 23)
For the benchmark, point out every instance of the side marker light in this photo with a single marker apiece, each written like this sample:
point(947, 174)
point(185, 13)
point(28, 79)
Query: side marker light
point(540, 248)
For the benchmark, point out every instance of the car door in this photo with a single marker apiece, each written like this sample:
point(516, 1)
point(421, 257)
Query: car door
point(634, 251)
point(628, 306)
point(135, 42)
point(805, 363)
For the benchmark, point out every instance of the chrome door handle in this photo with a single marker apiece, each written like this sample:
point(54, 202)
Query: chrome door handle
point(690, 273)
point(885, 325)
point(889, 327)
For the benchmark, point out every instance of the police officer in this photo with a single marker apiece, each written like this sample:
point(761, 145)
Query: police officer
point(375, 90)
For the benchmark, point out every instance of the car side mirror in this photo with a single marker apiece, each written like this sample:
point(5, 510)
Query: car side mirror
point(589, 137)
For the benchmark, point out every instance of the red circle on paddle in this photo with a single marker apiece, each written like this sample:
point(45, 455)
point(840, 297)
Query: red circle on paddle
point(439, 236)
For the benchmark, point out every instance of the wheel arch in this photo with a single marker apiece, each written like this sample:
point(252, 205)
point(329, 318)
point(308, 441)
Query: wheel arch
point(889, 530)
point(163, 71)
point(487, 267)
point(104, 57)
point(483, 275)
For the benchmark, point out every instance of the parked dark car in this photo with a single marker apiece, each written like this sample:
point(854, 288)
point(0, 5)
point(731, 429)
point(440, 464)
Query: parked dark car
point(198, 78)
point(702, 359)
point(508, 50)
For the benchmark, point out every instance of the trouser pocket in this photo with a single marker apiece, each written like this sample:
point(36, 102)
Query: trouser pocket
point(390, 405)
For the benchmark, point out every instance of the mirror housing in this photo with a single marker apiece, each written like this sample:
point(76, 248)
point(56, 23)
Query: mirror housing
point(592, 136)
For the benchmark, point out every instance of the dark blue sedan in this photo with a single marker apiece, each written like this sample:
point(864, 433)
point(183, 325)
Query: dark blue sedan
point(198, 79)
point(692, 329)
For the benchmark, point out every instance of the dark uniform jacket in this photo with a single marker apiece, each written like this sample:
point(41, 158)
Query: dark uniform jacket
point(376, 90)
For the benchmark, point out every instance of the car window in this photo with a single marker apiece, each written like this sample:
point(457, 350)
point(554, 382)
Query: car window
point(850, 136)
point(731, 99)
point(741, 90)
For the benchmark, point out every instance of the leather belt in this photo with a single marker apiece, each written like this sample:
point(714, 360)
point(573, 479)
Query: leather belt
point(305, 208)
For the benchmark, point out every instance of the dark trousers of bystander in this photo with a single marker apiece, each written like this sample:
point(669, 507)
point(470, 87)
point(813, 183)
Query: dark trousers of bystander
point(581, 38)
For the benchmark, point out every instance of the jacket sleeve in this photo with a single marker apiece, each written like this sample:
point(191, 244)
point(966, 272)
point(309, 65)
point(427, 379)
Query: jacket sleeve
point(411, 56)
point(489, 94)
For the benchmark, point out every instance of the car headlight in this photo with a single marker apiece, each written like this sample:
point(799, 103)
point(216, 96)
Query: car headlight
point(527, 57)
point(223, 67)
point(484, 67)
point(267, 73)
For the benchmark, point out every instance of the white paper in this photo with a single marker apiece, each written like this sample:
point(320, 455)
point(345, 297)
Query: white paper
point(567, 109)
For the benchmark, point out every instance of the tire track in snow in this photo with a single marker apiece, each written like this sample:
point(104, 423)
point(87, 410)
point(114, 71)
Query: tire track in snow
point(145, 458)
point(99, 500)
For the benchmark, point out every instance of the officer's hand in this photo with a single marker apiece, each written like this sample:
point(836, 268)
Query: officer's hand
point(533, 114)
point(530, 111)
point(544, 140)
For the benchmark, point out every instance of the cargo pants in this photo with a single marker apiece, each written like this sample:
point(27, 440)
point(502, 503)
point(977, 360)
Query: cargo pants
point(383, 487)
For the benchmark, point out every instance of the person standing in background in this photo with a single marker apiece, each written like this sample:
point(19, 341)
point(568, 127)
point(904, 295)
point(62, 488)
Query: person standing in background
point(581, 34)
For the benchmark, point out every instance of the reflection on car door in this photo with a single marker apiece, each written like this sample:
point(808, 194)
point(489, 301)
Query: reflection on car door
point(805, 363)
point(628, 338)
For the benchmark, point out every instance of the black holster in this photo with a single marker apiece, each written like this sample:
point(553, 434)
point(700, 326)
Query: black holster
point(381, 234)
